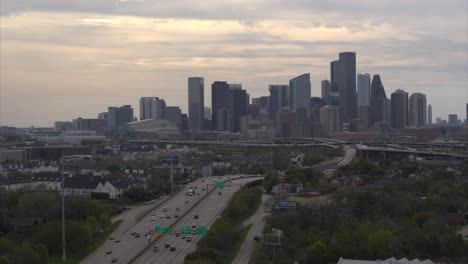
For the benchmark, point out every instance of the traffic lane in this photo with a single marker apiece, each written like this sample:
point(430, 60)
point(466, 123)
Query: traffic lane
point(208, 221)
point(188, 220)
point(123, 249)
point(172, 239)
point(211, 211)
point(207, 212)
point(129, 246)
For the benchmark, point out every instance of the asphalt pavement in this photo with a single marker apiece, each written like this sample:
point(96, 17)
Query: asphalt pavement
point(129, 247)
point(208, 211)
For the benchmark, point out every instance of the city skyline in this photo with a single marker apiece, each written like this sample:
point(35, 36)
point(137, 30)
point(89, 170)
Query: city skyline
point(133, 50)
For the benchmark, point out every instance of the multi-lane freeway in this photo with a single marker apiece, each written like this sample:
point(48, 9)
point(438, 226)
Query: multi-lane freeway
point(177, 211)
point(207, 211)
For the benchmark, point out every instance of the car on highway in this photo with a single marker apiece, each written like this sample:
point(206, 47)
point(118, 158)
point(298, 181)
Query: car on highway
point(114, 260)
point(167, 245)
point(164, 209)
point(176, 216)
point(111, 238)
point(219, 193)
point(137, 235)
point(203, 189)
point(161, 216)
point(168, 216)
point(155, 248)
point(183, 237)
point(108, 252)
point(189, 238)
point(117, 240)
point(196, 217)
point(186, 201)
point(177, 209)
point(173, 248)
point(194, 226)
point(152, 218)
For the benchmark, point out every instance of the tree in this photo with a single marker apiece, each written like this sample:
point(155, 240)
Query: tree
point(378, 243)
point(4, 260)
point(312, 160)
point(135, 194)
point(42, 252)
point(104, 221)
point(317, 253)
point(26, 255)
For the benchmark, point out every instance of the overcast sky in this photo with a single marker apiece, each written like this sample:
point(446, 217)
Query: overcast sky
point(63, 59)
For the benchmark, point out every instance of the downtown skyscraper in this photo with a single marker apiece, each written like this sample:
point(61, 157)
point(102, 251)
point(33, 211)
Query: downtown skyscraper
point(152, 108)
point(220, 105)
point(299, 93)
point(399, 102)
point(378, 102)
point(335, 93)
point(278, 98)
point(196, 105)
point(418, 110)
point(363, 89)
point(347, 86)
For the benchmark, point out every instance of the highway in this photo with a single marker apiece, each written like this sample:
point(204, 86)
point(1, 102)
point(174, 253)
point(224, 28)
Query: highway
point(207, 210)
point(125, 247)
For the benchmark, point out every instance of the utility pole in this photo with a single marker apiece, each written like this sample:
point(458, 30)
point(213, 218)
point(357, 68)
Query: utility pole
point(64, 257)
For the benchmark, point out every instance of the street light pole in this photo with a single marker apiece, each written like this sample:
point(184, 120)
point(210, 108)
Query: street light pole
point(64, 257)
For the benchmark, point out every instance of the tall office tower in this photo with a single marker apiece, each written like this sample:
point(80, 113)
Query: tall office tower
point(237, 108)
point(363, 114)
point(119, 116)
point(378, 101)
point(417, 110)
point(299, 92)
point(399, 109)
point(174, 114)
point(263, 104)
point(184, 122)
point(363, 90)
point(347, 86)
point(283, 122)
point(326, 90)
point(429, 114)
point(330, 119)
point(335, 91)
point(207, 113)
point(196, 103)
point(315, 104)
point(278, 98)
point(219, 100)
point(453, 120)
point(152, 108)
point(466, 115)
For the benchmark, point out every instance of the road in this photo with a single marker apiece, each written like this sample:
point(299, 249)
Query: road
point(207, 210)
point(130, 216)
point(128, 246)
point(258, 223)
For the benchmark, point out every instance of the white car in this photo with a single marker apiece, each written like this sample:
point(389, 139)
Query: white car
point(161, 216)
point(152, 218)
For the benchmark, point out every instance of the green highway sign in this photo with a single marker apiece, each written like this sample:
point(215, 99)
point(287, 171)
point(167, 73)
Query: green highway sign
point(161, 229)
point(220, 185)
point(186, 230)
point(201, 230)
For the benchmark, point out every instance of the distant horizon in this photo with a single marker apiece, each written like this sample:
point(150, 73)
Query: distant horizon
point(63, 60)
